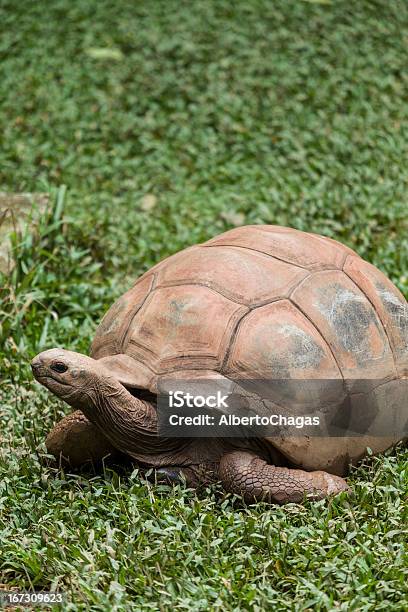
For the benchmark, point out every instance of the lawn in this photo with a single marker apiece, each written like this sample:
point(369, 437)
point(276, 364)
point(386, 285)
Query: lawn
point(156, 125)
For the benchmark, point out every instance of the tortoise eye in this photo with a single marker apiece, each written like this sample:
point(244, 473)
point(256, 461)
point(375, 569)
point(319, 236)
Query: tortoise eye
point(60, 367)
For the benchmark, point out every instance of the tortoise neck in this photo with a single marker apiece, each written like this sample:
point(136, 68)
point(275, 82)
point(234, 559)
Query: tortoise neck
point(128, 422)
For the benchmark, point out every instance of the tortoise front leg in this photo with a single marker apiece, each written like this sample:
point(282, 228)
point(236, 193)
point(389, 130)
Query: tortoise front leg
point(251, 477)
point(75, 440)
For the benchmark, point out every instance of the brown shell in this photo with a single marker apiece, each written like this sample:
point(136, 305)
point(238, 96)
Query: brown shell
point(260, 301)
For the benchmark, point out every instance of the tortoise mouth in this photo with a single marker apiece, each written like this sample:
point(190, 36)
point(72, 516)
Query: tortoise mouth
point(53, 384)
point(42, 377)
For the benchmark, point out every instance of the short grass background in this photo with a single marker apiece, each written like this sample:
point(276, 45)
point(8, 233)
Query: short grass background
point(169, 122)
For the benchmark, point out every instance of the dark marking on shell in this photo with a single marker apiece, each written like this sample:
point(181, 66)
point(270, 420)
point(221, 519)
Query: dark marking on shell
point(350, 316)
point(397, 310)
point(304, 353)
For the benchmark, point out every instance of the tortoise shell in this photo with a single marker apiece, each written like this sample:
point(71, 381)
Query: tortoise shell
point(265, 302)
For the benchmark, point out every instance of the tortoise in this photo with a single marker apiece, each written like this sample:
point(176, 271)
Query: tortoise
point(257, 301)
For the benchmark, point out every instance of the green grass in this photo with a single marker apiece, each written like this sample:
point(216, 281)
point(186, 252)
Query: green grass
point(246, 112)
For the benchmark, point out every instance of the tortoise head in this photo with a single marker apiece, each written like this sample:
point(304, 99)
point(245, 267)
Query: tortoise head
point(75, 378)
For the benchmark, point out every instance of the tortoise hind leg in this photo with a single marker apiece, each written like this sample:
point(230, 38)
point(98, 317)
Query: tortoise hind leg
point(75, 440)
point(251, 477)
